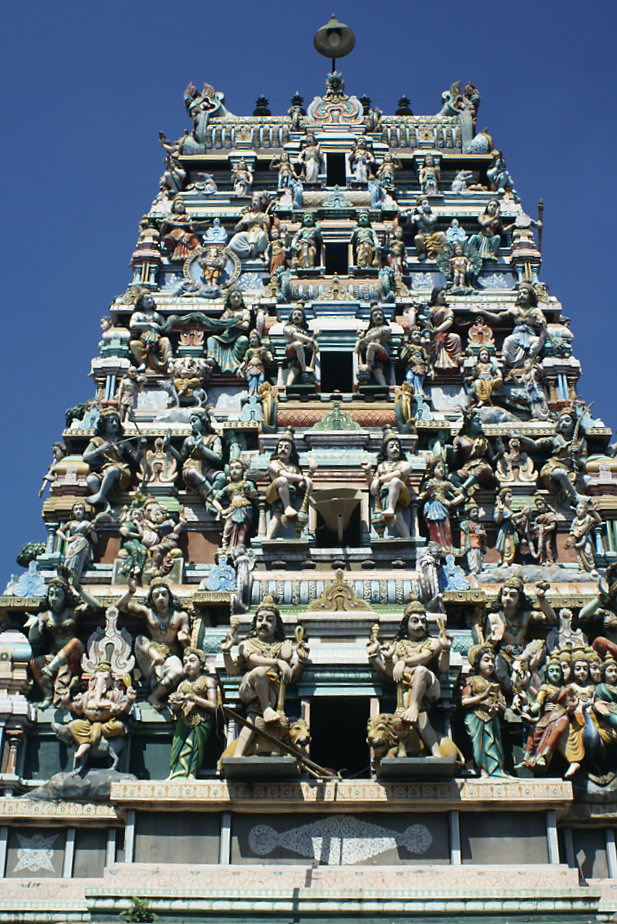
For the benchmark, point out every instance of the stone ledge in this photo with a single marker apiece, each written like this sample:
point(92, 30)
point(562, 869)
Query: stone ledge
point(64, 813)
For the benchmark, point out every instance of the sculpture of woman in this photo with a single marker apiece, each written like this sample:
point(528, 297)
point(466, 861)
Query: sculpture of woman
point(530, 330)
point(79, 536)
point(287, 482)
point(361, 161)
point(256, 358)
point(542, 531)
point(484, 377)
point(446, 347)
point(429, 177)
point(302, 347)
point(242, 178)
point(488, 240)
point(372, 347)
point(417, 360)
point(201, 455)
point(439, 496)
point(179, 232)
point(484, 705)
point(306, 244)
point(310, 159)
point(581, 530)
point(149, 347)
point(250, 238)
point(390, 482)
point(58, 450)
point(397, 253)
point(365, 244)
point(386, 170)
point(508, 523)
point(240, 495)
point(110, 458)
point(427, 239)
point(226, 348)
point(194, 703)
point(472, 457)
point(286, 173)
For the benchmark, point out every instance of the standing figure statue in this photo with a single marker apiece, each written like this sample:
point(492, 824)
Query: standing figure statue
point(509, 526)
point(484, 705)
point(412, 661)
point(388, 484)
point(179, 232)
point(428, 176)
point(150, 349)
point(302, 348)
point(58, 451)
point(417, 360)
point(256, 358)
point(242, 178)
point(194, 703)
point(286, 173)
point(159, 654)
point(288, 482)
point(373, 348)
point(386, 171)
point(440, 495)
point(365, 244)
point(361, 161)
point(79, 536)
point(306, 244)
point(581, 533)
point(110, 458)
point(269, 663)
point(240, 495)
point(201, 455)
point(473, 538)
point(310, 159)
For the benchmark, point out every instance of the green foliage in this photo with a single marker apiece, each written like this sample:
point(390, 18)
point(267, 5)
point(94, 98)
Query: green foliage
point(139, 911)
point(29, 552)
point(75, 413)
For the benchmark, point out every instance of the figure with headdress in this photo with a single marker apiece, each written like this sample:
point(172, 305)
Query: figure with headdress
point(484, 705)
point(242, 178)
point(412, 661)
point(52, 633)
point(389, 482)
point(269, 663)
point(530, 328)
point(365, 243)
point(473, 538)
point(567, 451)
point(510, 524)
point(194, 703)
point(257, 357)
point(288, 483)
point(251, 233)
point(110, 457)
point(159, 654)
point(580, 537)
point(150, 349)
point(446, 347)
point(227, 347)
point(240, 495)
point(79, 535)
point(302, 348)
point(543, 713)
point(506, 626)
point(427, 239)
point(373, 348)
point(541, 531)
point(306, 243)
point(201, 455)
point(439, 495)
point(429, 176)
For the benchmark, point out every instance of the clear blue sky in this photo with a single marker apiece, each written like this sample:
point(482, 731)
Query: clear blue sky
point(88, 86)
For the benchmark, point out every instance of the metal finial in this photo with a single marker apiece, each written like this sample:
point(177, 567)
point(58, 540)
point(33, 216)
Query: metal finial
point(334, 40)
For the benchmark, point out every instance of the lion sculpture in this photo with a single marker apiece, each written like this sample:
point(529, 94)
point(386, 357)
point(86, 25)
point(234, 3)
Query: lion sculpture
point(295, 733)
point(389, 736)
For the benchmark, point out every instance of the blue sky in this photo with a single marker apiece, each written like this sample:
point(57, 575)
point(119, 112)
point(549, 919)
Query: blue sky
point(87, 87)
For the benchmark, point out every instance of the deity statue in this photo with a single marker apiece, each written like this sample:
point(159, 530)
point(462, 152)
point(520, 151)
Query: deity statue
point(417, 359)
point(506, 628)
point(277, 252)
point(365, 244)
point(151, 537)
point(306, 244)
point(515, 465)
point(99, 716)
point(256, 358)
point(484, 705)
point(386, 170)
point(251, 233)
point(79, 535)
point(174, 176)
point(373, 349)
point(499, 177)
point(580, 537)
point(131, 385)
point(446, 347)
point(388, 484)
point(150, 349)
point(287, 483)
point(200, 106)
point(397, 253)
point(188, 375)
point(52, 633)
point(567, 451)
point(58, 451)
point(159, 653)
point(240, 495)
point(484, 377)
point(412, 661)
point(529, 333)
point(473, 538)
point(241, 178)
point(428, 176)
point(201, 455)
point(310, 159)
point(455, 234)
point(488, 239)
point(439, 495)
point(531, 377)
point(302, 348)
point(158, 466)
point(227, 347)
point(428, 240)
point(110, 458)
point(193, 703)
point(361, 161)
point(269, 663)
point(286, 173)
point(542, 713)
point(179, 232)
point(541, 531)
point(509, 526)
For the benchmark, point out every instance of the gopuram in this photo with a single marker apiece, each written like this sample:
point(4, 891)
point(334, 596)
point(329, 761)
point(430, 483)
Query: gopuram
point(325, 625)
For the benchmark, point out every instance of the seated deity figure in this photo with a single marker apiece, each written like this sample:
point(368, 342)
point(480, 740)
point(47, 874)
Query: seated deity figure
point(251, 234)
point(111, 458)
point(411, 661)
point(201, 455)
point(288, 483)
point(427, 239)
point(268, 663)
point(150, 349)
point(388, 483)
point(159, 654)
point(373, 348)
point(306, 244)
point(228, 342)
point(530, 329)
point(302, 348)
